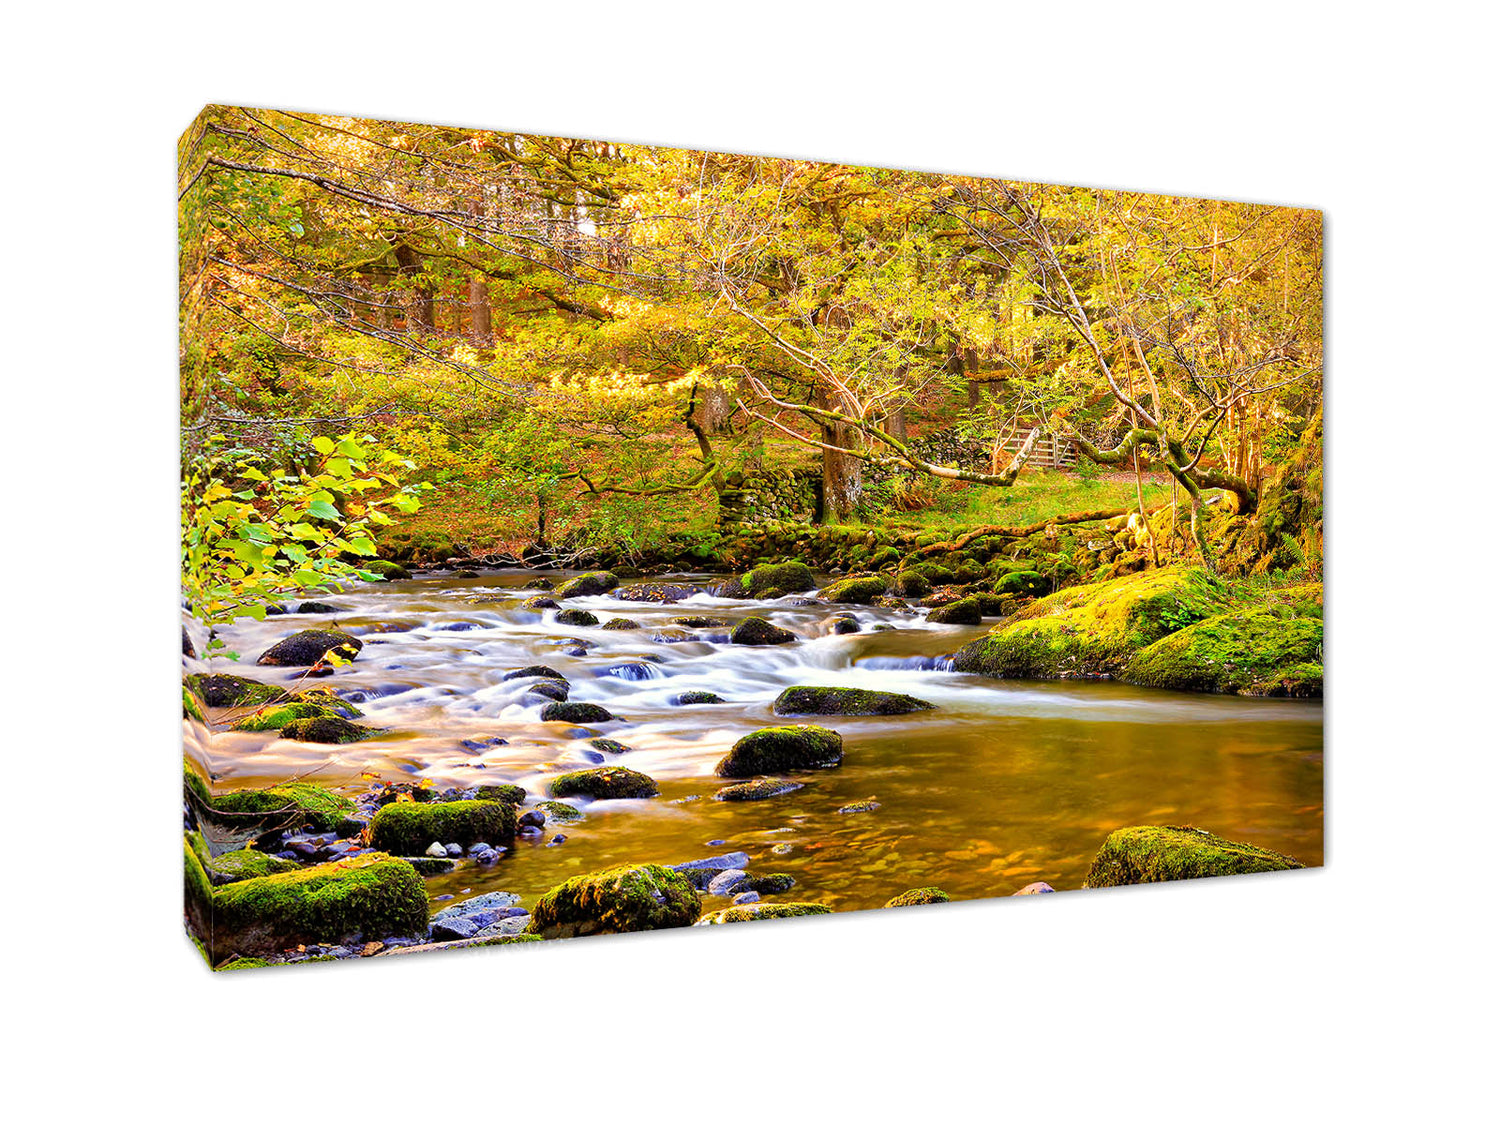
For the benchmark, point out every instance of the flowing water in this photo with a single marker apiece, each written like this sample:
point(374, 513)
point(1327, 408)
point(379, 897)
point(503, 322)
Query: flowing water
point(1006, 782)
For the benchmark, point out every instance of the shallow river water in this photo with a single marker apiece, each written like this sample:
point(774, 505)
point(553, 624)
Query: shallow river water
point(1005, 783)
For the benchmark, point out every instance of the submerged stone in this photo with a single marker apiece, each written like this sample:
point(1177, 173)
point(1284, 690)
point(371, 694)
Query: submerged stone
point(604, 783)
point(845, 701)
point(1162, 853)
point(774, 750)
point(618, 900)
point(761, 789)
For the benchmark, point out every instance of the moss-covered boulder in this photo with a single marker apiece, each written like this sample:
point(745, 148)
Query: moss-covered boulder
point(760, 789)
point(535, 670)
point(410, 828)
point(385, 570)
point(1161, 853)
point(603, 784)
point(690, 698)
point(510, 794)
point(1029, 583)
point(192, 706)
point(618, 900)
point(246, 863)
point(306, 648)
point(576, 617)
point(197, 892)
point(777, 580)
point(589, 585)
point(576, 713)
point(912, 584)
point(370, 897)
point(854, 591)
point(277, 715)
point(194, 783)
point(234, 691)
point(609, 745)
point(538, 602)
point(620, 624)
point(1094, 630)
point(1265, 650)
point(774, 750)
point(965, 611)
point(701, 621)
point(920, 896)
point(328, 729)
point(556, 811)
point(759, 911)
point(759, 631)
point(297, 802)
point(845, 701)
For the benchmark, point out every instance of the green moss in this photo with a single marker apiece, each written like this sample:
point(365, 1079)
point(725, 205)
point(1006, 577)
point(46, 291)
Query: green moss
point(278, 716)
point(759, 631)
point(192, 707)
point(1027, 582)
point(773, 750)
point(965, 611)
point(385, 569)
point(311, 803)
point(845, 701)
point(619, 900)
point(912, 584)
point(576, 617)
point(246, 863)
point(776, 883)
point(575, 713)
point(373, 896)
point(410, 828)
point(197, 893)
point(609, 745)
point(620, 623)
point(761, 789)
point(233, 691)
point(327, 729)
point(759, 911)
point(587, 585)
point(1095, 629)
point(243, 963)
point(1264, 650)
point(603, 783)
point(193, 782)
point(510, 794)
point(921, 896)
point(777, 580)
point(558, 812)
point(854, 591)
point(1159, 853)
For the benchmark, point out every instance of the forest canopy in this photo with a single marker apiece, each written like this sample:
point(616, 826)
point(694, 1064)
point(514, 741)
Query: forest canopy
point(579, 342)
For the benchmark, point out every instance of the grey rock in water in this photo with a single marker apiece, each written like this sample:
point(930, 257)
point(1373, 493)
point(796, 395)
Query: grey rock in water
point(728, 882)
point(1036, 889)
point(437, 850)
point(747, 897)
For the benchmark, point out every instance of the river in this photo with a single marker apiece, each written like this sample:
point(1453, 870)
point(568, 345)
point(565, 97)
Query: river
point(1004, 783)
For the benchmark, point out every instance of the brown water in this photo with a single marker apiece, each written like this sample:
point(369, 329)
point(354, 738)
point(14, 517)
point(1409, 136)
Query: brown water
point(1006, 782)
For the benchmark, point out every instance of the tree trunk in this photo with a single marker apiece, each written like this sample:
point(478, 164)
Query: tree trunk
point(895, 425)
point(713, 408)
point(418, 294)
point(480, 329)
point(843, 475)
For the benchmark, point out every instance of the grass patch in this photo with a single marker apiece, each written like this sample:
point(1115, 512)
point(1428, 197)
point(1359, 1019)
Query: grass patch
point(1033, 497)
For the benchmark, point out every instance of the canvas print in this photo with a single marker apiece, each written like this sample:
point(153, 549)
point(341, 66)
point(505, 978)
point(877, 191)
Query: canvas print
point(584, 537)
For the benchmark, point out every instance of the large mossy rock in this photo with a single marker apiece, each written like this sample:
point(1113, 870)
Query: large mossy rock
point(759, 631)
point(1094, 630)
point(845, 701)
point(234, 691)
point(384, 569)
point(306, 648)
point(370, 897)
point(1267, 650)
point(297, 802)
point(618, 900)
point(760, 911)
point(965, 611)
point(780, 749)
point(328, 729)
point(777, 580)
point(410, 828)
point(278, 715)
point(603, 784)
point(1160, 854)
point(588, 585)
point(246, 863)
point(576, 618)
point(854, 591)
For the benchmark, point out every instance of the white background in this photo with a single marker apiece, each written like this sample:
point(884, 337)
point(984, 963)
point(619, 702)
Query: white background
point(1363, 991)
